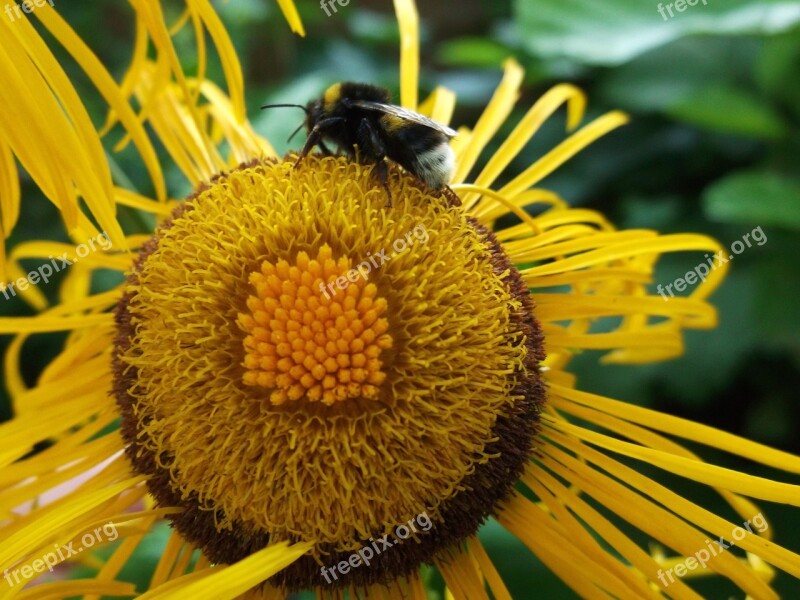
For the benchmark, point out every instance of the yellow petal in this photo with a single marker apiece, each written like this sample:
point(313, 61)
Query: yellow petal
point(53, 518)
point(494, 115)
point(527, 128)
point(687, 429)
point(461, 574)
point(223, 582)
point(290, 14)
point(564, 151)
point(721, 477)
point(77, 587)
point(408, 20)
point(439, 106)
point(488, 570)
point(227, 54)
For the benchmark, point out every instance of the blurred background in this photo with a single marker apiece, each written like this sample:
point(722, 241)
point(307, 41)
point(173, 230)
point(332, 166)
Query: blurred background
point(714, 96)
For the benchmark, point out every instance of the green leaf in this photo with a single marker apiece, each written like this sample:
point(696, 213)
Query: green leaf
point(777, 280)
point(776, 69)
point(759, 197)
point(729, 110)
point(666, 77)
point(472, 52)
point(612, 32)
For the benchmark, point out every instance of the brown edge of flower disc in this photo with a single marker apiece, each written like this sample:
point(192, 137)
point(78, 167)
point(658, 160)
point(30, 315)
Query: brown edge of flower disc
point(459, 516)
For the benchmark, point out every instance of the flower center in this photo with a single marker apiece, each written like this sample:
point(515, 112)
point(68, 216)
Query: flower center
point(312, 335)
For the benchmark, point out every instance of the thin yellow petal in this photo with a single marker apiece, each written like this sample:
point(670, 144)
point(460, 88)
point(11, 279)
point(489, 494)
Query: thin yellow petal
point(227, 55)
point(97, 451)
point(588, 544)
point(489, 571)
point(564, 151)
point(9, 196)
point(25, 130)
point(45, 324)
point(551, 544)
point(138, 59)
point(17, 436)
point(461, 575)
point(686, 429)
point(133, 200)
point(53, 519)
point(77, 587)
point(663, 525)
point(408, 21)
point(244, 142)
point(557, 307)
point(542, 109)
point(647, 244)
point(224, 582)
point(650, 518)
point(495, 114)
point(70, 447)
point(439, 106)
point(558, 215)
point(291, 15)
point(721, 477)
point(532, 224)
point(638, 558)
point(116, 97)
point(19, 284)
point(744, 507)
point(121, 555)
point(166, 562)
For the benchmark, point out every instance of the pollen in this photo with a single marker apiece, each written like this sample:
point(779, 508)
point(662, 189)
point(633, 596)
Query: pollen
point(315, 331)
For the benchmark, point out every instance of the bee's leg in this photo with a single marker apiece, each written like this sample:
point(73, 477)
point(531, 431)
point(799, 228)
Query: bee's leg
point(383, 176)
point(315, 136)
point(325, 150)
point(369, 136)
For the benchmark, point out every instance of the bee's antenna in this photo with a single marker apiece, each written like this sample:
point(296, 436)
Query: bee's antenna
point(299, 127)
point(285, 106)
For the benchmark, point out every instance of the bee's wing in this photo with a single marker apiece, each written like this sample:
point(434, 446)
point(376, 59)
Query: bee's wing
point(405, 114)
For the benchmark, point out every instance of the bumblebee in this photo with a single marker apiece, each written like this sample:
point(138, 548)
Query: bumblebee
point(360, 116)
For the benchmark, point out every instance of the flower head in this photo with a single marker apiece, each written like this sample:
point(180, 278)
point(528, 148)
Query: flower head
point(233, 327)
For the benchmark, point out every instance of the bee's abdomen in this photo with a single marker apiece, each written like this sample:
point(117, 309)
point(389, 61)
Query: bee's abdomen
point(435, 165)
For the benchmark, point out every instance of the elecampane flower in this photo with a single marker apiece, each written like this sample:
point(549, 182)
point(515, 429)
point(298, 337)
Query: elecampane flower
point(303, 372)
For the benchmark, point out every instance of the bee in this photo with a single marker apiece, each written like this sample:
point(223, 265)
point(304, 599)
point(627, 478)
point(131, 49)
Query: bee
point(360, 116)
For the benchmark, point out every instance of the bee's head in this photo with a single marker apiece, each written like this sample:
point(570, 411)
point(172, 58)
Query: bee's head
point(315, 111)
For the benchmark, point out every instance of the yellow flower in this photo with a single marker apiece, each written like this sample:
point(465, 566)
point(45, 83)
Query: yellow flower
point(323, 392)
